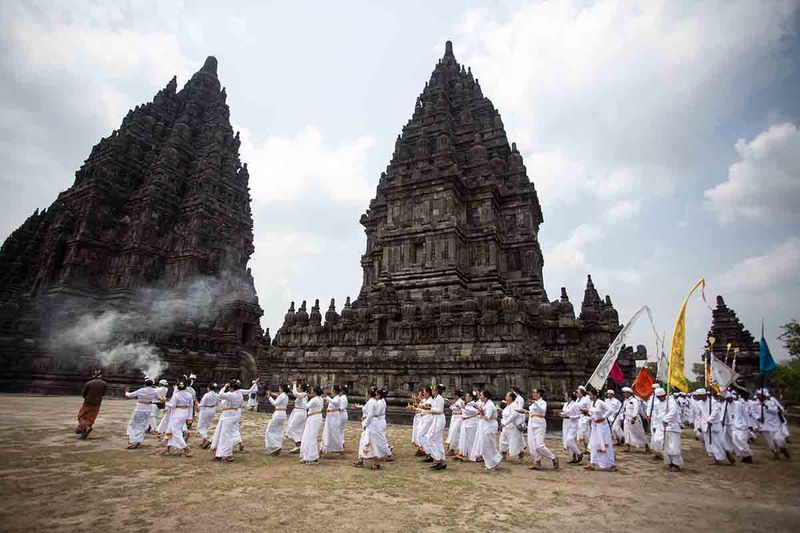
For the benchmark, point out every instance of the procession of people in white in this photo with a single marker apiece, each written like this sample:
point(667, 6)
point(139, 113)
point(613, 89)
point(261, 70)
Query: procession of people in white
point(725, 422)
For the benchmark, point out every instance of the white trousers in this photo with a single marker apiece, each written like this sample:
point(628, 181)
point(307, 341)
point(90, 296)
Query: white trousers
point(309, 447)
point(433, 441)
point(488, 450)
point(204, 422)
point(536, 443)
point(775, 439)
point(672, 449)
point(512, 437)
point(569, 434)
point(137, 425)
point(176, 423)
point(741, 442)
point(273, 435)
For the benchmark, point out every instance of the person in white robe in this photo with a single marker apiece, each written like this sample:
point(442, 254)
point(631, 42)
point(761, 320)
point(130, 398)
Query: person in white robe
point(368, 447)
point(584, 422)
point(425, 421)
point(740, 430)
point(140, 418)
point(632, 427)
point(454, 431)
point(510, 434)
point(601, 445)
point(537, 428)
point(162, 394)
point(433, 440)
point(297, 418)
point(273, 435)
point(343, 404)
point(570, 414)
point(615, 406)
point(382, 439)
point(770, 423)
point(469, 426)
point(655, 415)
point(477, 446)
point(332, 441)
point(227, 434)
point(671, 427)
point(414, 406)
point(181, 407)
point(252, 401)
point(697, 416)
point(190, 388)
point(207, 410)
point(309, 445)
point(715, 445)
point(784, 420)
point(487, 432)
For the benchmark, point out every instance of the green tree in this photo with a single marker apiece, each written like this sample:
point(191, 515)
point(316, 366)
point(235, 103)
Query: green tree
point(786, 380)
point(791, 337)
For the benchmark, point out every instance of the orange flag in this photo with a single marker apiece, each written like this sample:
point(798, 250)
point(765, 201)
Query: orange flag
point(643, 384)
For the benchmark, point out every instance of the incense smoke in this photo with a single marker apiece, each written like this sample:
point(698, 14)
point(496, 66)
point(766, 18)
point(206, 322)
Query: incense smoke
point(122, 334)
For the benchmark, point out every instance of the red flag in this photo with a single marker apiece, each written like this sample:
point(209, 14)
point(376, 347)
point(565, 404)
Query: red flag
point(643, 385)
point(616, 374)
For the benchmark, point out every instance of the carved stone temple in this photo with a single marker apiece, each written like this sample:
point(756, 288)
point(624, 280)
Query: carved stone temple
point(727, 329)
point(452, 286)
point(159, 203)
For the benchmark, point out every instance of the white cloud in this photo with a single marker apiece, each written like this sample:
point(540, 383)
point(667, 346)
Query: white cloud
point(279, 266)
point(764, 183)
point(117, 60)
point(284, 169)
point(570, 254)
point(774, 270)
point(613, 97)
point(621, 211)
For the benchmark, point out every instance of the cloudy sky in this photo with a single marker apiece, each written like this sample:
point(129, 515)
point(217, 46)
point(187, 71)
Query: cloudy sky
point(662, 136)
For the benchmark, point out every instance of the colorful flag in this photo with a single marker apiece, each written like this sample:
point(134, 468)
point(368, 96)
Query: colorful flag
point(766, 363)
point(677, 356)
point(616, 374)
point(600, 375)
point(722, 374)
point(643, 384)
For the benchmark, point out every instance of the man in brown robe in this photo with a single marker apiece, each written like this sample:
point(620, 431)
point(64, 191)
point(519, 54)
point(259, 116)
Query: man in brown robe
point(92, 392)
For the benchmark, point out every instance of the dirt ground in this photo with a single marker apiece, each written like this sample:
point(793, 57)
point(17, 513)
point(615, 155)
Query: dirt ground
point(51, 481)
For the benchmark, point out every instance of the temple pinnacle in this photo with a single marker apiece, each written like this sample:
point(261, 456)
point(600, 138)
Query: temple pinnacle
point(210, 66)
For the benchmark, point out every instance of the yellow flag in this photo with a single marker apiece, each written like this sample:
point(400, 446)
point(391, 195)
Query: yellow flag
point(677, 355)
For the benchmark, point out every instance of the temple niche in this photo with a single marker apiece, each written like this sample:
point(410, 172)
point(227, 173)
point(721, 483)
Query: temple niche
point(162, 204)
point(452, 288)
point(727, 329)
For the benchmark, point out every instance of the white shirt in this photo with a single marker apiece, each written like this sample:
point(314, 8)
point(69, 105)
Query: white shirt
point(279, 404)
point(209, 399)
point(672, 415)
point(144, 397)
point(537, 411)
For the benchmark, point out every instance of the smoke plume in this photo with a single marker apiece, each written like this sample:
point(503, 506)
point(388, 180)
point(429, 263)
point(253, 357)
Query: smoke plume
point(122, 333)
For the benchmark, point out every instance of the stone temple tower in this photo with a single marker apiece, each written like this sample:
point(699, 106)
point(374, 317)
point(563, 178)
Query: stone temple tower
point(452, 288)
point(161, 202)
point(455, 210)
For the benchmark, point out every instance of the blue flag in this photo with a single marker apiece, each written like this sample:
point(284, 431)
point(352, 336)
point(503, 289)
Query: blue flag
point(765, 362)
